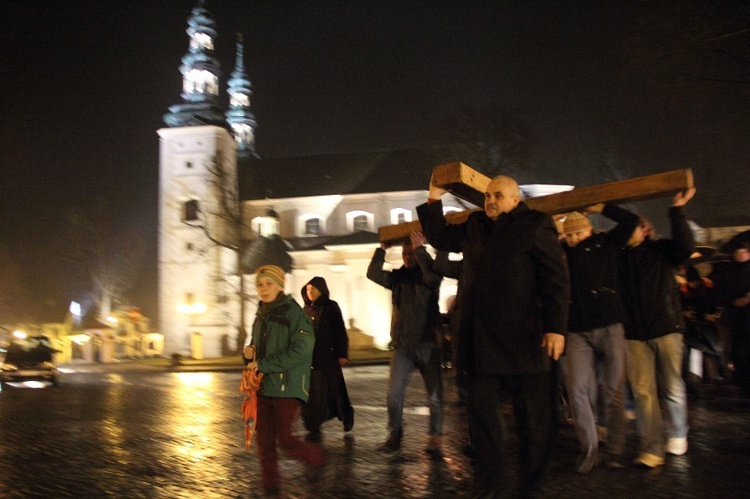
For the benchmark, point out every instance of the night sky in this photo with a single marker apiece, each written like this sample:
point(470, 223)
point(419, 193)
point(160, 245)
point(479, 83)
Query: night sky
point(605, 86)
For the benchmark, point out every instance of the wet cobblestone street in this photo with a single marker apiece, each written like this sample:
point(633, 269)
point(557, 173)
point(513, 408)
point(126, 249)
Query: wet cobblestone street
point(179, 435)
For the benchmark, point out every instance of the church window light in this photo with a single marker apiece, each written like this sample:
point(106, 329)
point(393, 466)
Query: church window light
point(190, 211)
point(239, 100)
point(201, 41)
point(200, 81)
point(243, 133)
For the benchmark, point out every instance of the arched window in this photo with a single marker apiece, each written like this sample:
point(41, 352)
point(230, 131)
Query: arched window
point(311, 224)
point(359, 220)
point(312, 227)
point(266, 225)
point(400, 215)
point(360, 223)
point(190, 210)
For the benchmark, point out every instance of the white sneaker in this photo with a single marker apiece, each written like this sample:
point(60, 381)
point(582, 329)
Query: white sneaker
point(676, 446)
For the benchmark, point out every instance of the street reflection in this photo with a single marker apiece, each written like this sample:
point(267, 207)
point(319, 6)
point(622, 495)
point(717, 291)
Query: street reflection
point(194, 419)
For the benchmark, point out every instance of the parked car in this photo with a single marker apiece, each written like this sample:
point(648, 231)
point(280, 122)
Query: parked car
point(29, 359)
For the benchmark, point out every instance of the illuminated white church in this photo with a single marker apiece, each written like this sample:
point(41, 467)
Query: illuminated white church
point(316, 216)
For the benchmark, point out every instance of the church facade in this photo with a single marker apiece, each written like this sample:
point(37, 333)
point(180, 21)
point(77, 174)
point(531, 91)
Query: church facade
point(224, 211)
point(211, 219)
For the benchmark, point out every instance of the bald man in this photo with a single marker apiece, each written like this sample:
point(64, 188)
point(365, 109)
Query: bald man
point(514, 311)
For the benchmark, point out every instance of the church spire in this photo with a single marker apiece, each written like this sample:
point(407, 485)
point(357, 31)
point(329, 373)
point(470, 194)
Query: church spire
point(200, 75)
point(240, 118)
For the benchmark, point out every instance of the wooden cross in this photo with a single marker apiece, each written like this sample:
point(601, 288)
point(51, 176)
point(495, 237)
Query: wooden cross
point(466, 183)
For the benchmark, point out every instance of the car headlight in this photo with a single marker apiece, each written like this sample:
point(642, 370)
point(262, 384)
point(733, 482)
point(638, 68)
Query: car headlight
point(9, 367)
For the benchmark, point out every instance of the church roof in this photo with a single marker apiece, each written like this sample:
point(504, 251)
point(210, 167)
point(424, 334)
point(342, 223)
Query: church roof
point(320, 243)
point(356, 173)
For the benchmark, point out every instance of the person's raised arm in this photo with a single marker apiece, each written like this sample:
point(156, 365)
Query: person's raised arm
point(375, 271)
point(682, 236)
point(424, 260)
point(626, 220)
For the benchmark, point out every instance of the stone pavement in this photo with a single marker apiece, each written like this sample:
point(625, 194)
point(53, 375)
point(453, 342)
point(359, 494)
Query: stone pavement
point(716, 464)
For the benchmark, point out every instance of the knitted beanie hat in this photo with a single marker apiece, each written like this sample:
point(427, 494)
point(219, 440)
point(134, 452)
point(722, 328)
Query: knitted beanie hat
point(575, 222)
point(272, 272)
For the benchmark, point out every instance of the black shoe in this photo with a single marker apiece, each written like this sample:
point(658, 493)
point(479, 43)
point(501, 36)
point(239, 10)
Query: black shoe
point(392, 444)
point(586, 461)
point(349, 421)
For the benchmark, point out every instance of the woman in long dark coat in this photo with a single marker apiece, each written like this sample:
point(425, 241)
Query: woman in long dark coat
point(328, 395)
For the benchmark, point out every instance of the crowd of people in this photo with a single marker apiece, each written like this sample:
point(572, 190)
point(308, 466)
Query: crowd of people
point(531, 294)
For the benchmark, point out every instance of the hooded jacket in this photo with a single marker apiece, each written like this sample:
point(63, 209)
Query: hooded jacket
point(283, 339)
point(652, 293)
point(331, 340)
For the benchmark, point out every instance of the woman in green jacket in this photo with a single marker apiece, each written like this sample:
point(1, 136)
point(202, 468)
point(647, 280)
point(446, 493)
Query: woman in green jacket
point(281, 349)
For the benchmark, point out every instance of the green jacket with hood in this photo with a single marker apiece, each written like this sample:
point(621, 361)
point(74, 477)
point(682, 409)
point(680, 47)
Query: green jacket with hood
point(284, 340)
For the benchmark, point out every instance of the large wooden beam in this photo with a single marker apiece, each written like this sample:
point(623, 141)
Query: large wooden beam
point(464, 182)
point(630, 190)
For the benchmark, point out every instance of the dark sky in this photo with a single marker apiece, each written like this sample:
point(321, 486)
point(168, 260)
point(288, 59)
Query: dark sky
point(84, 85)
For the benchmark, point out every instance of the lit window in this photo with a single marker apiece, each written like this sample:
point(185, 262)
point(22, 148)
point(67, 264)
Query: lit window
point(238, 100)
point(201, 40)
point(200, 81)
point(243, 133)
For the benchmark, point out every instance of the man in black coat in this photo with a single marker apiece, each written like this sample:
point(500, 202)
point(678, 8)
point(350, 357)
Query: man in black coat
point(515, 292)
point(328, 395)
point(596, 336)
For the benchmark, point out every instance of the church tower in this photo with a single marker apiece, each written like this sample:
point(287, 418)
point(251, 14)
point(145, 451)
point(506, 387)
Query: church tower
point(197, 203)
point(240, 118)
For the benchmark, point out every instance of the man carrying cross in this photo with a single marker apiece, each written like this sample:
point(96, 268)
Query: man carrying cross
point(514, 313)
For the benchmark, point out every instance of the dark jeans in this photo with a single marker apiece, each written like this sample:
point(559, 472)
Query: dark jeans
point(535, 414)
point(275, 418)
